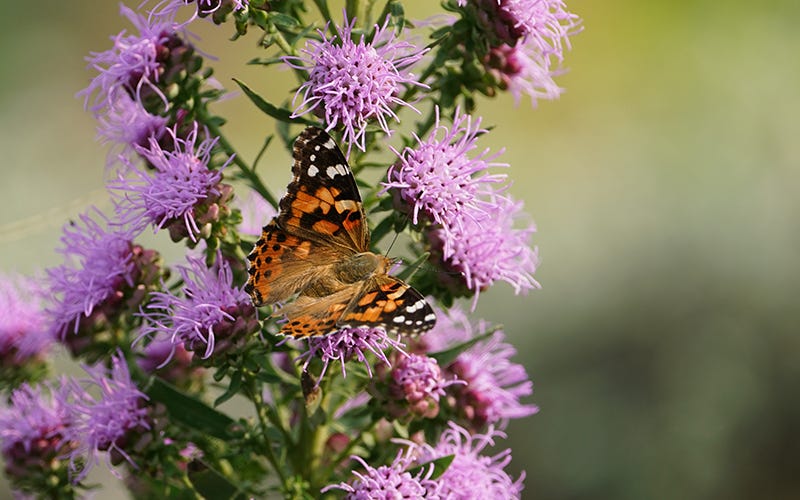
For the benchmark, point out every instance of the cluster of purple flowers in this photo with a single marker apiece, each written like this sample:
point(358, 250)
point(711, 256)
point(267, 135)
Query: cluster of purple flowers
point(167, 165)
point(470, 474)
point(77, 420)
point(469, 220)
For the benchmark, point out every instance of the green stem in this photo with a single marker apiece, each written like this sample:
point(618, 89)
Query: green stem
point(263, 416)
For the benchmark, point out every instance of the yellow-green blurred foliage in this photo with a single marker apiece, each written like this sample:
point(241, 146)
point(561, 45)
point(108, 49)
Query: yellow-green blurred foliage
point(665, 185)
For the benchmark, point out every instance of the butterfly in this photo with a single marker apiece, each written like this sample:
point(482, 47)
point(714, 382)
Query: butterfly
point(317, 249)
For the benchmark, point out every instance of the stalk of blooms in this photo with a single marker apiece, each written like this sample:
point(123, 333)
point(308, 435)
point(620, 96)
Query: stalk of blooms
point(210, 316)
point(489, 249)
point(470, 474)
point(134, 64)
point(352, 83)
point(24, 334)
point(98, 265)
point(179, 191)
point(110, 422)
point(389, 481)
point(439, 180)
point(350, 343)
point(494, 384)
point(33, 429)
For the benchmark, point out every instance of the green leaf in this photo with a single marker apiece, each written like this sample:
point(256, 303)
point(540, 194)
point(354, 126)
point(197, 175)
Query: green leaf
point(440, 466)
point(189, 411)
point(232, 390)
point(279, 19)
point(447, 356)
point(382, 229)
point(212, 484)
point(280, 114)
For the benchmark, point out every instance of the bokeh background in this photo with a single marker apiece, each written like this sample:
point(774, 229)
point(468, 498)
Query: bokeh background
point(665, 185)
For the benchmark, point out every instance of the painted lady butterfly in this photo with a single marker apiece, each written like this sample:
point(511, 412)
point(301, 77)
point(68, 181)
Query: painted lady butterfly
point(317, 248)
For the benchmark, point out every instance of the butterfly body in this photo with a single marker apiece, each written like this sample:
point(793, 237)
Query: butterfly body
point(317, 250)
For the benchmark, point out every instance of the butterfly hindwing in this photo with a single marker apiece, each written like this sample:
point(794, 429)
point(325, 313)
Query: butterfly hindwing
point(282, 264)
point(322, 201)
point(389, 303)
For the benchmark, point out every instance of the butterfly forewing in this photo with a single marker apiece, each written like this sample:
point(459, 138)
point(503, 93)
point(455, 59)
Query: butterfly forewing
point(315, 248)
point(322, 201)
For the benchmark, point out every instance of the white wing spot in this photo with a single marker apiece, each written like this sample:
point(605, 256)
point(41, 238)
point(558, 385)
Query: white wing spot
point(312, 157)
point(332, 172)
point(312, 170)
point(316, 148)
point(416, 306)
point(399, 319)
point(430, 317)
point(409, 322)
point(329, 144)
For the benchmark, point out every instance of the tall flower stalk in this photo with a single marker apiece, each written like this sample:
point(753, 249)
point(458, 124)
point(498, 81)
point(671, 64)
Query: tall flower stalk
point(359, 412)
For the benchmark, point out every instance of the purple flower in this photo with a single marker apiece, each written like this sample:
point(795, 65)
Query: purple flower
point(24, 335)
point(98, 264)
point(388, 481)
point(470, 474)
point(494, 384)
point(351, 83)
point(544, 23)
point(489, 249)
point(522, 70)
point(32, 432)
point(108, 423)
point(349, 343)
point(172, 191)
point(439, 180)
point(417, 381)
point(126, 125)
point(133, 65)
point(171, 362)
point(256, 212)
point(211, 315)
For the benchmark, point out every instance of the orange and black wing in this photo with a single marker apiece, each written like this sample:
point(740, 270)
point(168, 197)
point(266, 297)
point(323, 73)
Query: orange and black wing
point(322, 202)
point(389, 303)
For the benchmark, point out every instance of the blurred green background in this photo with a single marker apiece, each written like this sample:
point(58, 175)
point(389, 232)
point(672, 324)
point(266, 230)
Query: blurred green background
point(665, 185)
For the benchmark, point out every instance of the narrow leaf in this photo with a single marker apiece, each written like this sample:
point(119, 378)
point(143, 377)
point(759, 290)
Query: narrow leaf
point(447, 356)
point(440, 466)
point(189, 411)
point(280, 114)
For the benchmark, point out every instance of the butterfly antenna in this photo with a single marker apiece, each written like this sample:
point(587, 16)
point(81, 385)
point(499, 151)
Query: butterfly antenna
point(396, 235)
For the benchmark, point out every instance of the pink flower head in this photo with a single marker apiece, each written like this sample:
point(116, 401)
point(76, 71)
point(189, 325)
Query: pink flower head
point(133, 64)
point(470, 474)
point(256, 212)
point(107, 419)
point(438, 179)
point(495, 385)
point(352, 83)
point(388, 481)
point(523, 70)
point(127, 125)
point(98, 263)
point(169, 193)
point(491, 248)
point(210, 315)
point(349, 343)
point(23, 330)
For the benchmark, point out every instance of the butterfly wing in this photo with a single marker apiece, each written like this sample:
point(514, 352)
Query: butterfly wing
point(387, 302)
point(282, 264)
point(322, 202)
point(320, 222)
